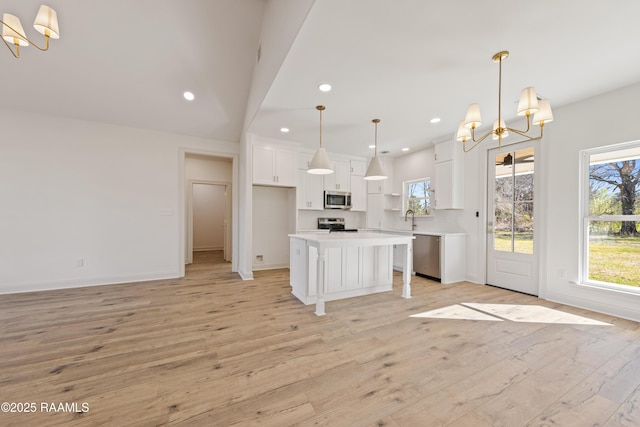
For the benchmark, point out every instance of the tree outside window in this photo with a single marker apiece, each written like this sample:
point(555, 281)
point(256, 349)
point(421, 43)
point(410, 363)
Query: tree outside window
point(417, 196)
point(612, 217)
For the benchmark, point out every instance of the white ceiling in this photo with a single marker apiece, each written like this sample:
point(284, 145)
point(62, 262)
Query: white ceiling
point(408, 61)
point(128, 63)
point(405, 62)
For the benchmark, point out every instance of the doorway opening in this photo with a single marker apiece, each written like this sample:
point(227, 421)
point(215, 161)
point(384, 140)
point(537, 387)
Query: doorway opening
point(209, 207)
point(208, 210)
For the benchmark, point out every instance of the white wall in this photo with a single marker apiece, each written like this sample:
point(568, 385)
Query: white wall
point(603, 120)
point(273, 221)
point(207, 168)
point(416, 165)
point(75, 192)
point(280, 25)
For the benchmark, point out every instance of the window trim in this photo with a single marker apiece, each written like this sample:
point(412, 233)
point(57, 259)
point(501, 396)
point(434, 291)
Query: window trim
point(585, 217)
point(405, 196)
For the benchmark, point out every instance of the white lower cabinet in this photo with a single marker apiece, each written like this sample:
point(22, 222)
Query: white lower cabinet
point(350, 272)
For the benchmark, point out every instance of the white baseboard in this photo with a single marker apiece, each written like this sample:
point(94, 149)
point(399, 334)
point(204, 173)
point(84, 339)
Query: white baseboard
point(244, 275)
point(597, 306)
point(14, 288)
point(269, 267)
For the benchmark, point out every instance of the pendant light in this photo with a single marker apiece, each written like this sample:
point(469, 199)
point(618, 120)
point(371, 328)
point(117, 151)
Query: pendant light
point(374, 171)
point(320, 164)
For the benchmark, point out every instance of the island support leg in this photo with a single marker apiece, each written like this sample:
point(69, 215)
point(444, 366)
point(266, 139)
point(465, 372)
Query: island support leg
point(320, 285)
point(406, 273)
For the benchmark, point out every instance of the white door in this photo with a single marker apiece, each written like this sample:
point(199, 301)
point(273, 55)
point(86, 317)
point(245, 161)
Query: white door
point(512, 258)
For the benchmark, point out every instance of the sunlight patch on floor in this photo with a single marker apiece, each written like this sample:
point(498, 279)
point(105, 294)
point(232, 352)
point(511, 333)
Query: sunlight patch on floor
point(509, 312)
point(457, 312)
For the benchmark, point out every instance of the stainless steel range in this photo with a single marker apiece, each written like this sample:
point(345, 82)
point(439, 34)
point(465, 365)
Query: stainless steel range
point(334, 224)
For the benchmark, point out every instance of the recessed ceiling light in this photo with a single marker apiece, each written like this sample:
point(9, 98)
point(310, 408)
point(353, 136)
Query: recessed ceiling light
point(372, 146)
point(435, 120)
point(284, 130)
point(189, 96)
point(324, 87)
point(405, 149)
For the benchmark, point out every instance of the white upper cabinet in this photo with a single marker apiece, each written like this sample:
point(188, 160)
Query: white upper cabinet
point(358, 167)
point(340, 179)
point(444, 151)
point(274, 166)
point(358, 193)
point(309, 191)
point(449, 176)
point(375, 210)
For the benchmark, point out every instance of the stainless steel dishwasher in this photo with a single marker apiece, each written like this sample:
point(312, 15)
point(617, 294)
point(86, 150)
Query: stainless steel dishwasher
point(426, 256)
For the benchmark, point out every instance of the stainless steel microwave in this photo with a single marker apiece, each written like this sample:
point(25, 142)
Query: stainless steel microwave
point(337, 200)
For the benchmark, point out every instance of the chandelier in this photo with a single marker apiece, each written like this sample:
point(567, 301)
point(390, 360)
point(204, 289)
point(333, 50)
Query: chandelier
point(528, 105)
point(46, 23)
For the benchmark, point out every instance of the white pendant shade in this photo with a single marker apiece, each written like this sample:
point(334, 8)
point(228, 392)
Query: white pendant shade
point(505, 133)
point(463, 133)
point(320, 164)
point(528, 103)
point(473, 118)
point(374, 171)
point(15, 34)
point(47, 21)
point(544, 114)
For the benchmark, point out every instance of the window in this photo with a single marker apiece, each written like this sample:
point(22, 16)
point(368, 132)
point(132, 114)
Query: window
point(513, 201)
point(611, 217)
point(417, 196)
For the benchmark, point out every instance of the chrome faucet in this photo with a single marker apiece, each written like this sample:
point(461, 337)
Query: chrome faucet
point(413, 218)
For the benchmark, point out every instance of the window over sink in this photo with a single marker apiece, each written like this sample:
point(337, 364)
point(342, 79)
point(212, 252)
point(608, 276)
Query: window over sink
point(416, 196)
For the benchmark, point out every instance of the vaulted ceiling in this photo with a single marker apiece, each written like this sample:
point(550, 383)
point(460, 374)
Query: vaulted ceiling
point(129, 62)
point(405, 62)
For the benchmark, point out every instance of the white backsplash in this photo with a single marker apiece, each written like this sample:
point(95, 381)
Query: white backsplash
point(308, 220)
point(440, 221)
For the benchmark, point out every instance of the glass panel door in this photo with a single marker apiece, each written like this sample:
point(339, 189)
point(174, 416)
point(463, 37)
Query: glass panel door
point(511, 259)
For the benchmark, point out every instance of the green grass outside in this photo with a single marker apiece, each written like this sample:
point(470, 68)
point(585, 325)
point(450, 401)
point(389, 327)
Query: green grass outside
point(612, 259)
point(615, 260)
point(522, 242)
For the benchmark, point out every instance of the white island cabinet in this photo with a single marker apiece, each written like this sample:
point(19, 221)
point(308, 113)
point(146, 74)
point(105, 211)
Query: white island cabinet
point(331, 266)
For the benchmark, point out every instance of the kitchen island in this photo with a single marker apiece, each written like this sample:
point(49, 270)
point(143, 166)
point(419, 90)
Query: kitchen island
point(332, 266)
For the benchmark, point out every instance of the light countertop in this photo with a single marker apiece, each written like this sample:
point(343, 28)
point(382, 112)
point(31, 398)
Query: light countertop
point(426, 233)
point(385, 231)
point(361, 238)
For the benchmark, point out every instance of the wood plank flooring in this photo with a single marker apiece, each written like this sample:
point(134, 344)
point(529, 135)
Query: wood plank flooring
point(213, 350)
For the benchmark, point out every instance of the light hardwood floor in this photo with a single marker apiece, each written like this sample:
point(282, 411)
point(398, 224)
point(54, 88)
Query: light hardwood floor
point(213, 350)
